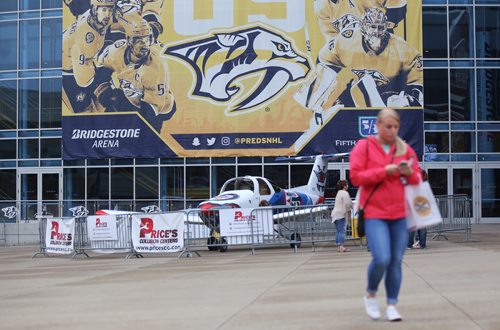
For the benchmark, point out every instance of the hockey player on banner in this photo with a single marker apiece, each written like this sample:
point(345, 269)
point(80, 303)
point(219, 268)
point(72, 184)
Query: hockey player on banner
point(82, 42)
point(367, 67)
point(135, 77)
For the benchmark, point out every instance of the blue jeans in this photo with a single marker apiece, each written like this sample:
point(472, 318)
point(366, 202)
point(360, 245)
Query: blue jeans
point(387, 241)
point(422, 237)
point(340, 231)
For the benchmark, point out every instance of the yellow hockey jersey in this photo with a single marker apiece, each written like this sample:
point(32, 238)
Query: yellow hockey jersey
point(81, 45)
point(395, 68)
point(335, 15)
point(148, 81)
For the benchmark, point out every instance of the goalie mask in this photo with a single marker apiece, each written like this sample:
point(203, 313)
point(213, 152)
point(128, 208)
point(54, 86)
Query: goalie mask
point(374, 27)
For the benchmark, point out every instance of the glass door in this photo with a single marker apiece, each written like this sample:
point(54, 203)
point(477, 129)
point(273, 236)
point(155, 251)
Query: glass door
point(39, 192)
point(335, 173)
point(489, 188)
point(453, 180)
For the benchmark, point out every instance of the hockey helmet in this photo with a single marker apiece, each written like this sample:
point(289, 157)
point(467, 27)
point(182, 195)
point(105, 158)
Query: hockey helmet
point(136, 28)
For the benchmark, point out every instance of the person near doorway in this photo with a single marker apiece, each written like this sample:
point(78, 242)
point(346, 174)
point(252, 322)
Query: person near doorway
point(418, 239)
point(340, 212)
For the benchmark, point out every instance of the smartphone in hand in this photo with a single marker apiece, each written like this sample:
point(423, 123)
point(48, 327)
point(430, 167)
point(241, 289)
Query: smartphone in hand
point(405, 163)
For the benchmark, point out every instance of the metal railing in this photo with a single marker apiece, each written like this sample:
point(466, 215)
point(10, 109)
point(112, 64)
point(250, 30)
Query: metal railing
point(456, 211)
point(258, 227)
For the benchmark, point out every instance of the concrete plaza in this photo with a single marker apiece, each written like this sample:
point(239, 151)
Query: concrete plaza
point(451, 285)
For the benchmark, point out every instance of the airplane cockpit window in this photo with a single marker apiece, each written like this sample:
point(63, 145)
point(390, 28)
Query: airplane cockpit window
point(230, 185)
point(263, 187)
point(244, 185)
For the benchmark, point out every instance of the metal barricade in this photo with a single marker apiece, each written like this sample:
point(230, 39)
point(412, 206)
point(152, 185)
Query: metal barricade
point(258, 227)
point(42, 226)
point(123, 243)
point(294, 226)
point(80, 237)
point(3, 234)
point(198, 235)
point(456, 213)
point(263, 227)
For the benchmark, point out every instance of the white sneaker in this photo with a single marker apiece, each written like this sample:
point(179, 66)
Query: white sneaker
point(371, 307)
point(391, 314)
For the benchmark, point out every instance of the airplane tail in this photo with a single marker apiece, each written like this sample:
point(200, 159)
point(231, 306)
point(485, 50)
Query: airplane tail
point(316, 183)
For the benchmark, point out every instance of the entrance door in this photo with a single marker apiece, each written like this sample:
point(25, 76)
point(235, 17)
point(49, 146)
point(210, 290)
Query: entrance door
point(489, 200)
point(335, 173)
point(453, 180)
point(39, 191)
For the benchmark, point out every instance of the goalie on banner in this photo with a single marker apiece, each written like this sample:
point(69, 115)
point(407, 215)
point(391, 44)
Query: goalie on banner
point(366, 67)
point(335, 16)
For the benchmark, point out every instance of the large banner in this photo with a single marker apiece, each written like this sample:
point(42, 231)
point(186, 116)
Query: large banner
point(218, 78)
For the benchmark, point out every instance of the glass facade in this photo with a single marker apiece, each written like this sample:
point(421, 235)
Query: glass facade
point(461, 47)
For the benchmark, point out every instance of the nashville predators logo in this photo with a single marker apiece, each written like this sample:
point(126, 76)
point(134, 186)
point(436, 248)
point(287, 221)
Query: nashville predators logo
point(10, 212)
point(89, 37)
point(244, 69)
point(422, 205)
point(151, 209)
point(79, 211)
point(379, 78)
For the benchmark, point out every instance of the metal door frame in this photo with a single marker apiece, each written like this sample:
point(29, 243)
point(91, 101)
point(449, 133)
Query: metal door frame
point(449, 171)
point(479, 188)
point(39, 171)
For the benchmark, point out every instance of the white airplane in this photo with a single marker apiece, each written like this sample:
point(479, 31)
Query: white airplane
point(255, 191)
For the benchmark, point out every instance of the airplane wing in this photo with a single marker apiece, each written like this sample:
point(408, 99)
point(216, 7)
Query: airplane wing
point(300, 213)
point(328, 157)
point(115, 212)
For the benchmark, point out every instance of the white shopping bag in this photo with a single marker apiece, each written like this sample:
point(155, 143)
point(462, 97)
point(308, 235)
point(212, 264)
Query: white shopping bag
point(421, 208)
point(355, 205)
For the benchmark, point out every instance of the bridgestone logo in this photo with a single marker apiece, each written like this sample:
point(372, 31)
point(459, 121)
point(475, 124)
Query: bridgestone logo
point(82, 134)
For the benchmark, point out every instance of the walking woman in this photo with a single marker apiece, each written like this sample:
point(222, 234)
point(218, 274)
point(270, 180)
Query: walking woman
point(381, 165)
point(343, 205)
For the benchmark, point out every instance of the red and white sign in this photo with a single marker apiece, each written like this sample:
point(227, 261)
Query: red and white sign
point(59, 235)
point(102, 228)
point(241, 222)
point(158, 233)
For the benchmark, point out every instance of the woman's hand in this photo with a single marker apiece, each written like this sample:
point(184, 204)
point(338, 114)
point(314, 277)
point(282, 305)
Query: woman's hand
point(391, 169)
point(405, 168)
